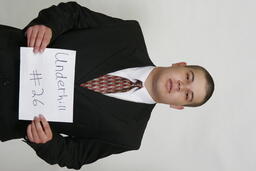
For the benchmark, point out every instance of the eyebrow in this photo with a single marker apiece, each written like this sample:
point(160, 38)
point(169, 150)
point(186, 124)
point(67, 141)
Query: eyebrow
point(192, 97)
point(193, 76)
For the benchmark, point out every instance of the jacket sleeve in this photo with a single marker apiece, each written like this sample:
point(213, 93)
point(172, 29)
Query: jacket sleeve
point(69, 16)
point(74, 152)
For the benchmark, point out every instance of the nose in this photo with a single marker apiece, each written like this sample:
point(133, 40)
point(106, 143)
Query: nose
point(181, 86)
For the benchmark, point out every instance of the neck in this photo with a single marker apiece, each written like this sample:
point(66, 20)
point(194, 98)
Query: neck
point(149, 83)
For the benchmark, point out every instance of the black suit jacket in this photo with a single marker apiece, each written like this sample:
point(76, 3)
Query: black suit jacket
point(102, 125)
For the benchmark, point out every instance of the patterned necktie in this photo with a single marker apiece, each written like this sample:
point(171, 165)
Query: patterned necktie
point(111, 84)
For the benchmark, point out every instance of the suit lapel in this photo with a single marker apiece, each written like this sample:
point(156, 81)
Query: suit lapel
point(115, 63)
point(121, 109)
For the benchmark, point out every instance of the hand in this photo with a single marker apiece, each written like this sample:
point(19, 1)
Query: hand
point(39, 130)
point(38, 37)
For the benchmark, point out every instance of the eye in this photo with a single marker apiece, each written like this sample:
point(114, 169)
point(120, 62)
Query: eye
point(186, 95)
point(187, 76)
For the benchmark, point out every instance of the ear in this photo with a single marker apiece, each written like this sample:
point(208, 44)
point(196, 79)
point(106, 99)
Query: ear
point(177, 107)
point(180, 64)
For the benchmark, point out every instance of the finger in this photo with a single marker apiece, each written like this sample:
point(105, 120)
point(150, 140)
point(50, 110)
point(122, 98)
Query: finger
point(33, 36)
point(39, 39)
point(29, 133)
point(34, 132)
point(40, 131)
point(45, 42)
point(46, 126)
point(28, 34)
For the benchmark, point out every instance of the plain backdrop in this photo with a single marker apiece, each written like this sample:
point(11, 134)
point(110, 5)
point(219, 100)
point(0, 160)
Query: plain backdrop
point(217, 34)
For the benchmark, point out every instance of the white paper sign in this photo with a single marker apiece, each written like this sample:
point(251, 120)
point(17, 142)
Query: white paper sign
point(47, 84)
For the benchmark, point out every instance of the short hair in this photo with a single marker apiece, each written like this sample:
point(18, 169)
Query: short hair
point(209, 86)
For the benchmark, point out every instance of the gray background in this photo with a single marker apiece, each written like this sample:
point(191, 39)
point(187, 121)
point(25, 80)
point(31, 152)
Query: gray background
point(218, 34)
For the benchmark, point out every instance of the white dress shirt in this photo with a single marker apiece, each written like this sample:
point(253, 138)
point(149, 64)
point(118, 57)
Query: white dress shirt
point(135, 95)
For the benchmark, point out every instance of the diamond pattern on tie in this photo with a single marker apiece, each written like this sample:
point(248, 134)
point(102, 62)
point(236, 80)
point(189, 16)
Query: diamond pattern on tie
point(111, 84)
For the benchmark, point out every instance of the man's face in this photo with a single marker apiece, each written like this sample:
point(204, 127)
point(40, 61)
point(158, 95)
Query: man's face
point(179, 85)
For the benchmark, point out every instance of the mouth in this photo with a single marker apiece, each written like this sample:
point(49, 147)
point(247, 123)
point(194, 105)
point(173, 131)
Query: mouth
point(169, 86)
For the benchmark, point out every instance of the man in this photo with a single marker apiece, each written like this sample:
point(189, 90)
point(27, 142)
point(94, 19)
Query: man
point(104, 124)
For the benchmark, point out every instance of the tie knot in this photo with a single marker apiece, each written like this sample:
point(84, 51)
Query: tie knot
point(138, 84)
